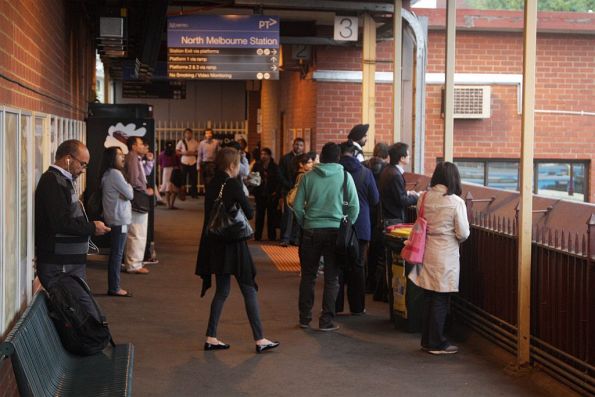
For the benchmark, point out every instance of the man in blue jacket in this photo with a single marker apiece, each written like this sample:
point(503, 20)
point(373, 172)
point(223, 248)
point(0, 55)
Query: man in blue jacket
point(318, 209)
point(354, 275)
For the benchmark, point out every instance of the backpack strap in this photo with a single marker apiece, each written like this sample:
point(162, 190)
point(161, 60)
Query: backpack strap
point(345, 202)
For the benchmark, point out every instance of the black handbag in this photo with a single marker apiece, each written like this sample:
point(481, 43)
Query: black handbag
point(228, 224)
point(141, 202)
point(347, 246)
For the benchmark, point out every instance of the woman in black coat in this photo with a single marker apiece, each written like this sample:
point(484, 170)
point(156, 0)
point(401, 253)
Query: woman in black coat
point(224, 259)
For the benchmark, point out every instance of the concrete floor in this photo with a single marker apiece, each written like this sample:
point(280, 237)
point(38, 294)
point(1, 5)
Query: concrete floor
point(166, 321)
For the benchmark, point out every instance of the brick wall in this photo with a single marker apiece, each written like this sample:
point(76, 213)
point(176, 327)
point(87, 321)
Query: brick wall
point(339, 105)
point(298, 104)
point(565, 82)
point(7, 381)
point(47, 47)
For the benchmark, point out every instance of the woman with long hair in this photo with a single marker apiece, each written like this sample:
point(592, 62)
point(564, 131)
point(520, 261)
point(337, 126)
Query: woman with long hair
point(117, 213)
point(447, 228)
point(228, 258)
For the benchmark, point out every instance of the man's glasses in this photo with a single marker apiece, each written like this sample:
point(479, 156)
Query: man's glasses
point(82, 163)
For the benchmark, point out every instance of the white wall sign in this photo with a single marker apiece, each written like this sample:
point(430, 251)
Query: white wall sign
point(346, 28)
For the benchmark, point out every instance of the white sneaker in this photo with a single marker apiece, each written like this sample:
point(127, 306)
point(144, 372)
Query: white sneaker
point(450, 349)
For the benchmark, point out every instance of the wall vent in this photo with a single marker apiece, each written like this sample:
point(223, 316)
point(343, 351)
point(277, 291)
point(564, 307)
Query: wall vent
point(111, 27)
point(471, 102)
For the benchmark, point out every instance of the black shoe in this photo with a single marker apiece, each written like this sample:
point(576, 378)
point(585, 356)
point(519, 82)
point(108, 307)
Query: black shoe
point(220, 346)
point(268, 346)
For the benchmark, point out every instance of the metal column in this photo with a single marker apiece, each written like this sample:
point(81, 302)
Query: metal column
point(526, 207)
point(369, 80)
point(449, 94)
point(397, 69)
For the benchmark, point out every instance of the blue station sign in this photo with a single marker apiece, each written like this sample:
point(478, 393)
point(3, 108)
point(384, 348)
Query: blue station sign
point(223, 31)
point(223, 47)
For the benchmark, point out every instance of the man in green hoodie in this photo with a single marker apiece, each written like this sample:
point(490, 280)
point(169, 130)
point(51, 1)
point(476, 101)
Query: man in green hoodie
point(318, 209)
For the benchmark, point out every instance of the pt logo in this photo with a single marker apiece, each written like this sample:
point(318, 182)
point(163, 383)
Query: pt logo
point(267, 24)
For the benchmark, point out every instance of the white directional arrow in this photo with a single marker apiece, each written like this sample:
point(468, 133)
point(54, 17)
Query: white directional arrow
point(274, 52)
point(274, 68)
point(274, 59)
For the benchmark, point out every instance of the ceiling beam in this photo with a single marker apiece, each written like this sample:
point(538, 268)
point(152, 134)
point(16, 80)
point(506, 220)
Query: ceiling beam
point(320, 5)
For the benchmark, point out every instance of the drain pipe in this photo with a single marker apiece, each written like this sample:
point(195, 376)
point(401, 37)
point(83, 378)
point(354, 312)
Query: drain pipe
point(581, 113)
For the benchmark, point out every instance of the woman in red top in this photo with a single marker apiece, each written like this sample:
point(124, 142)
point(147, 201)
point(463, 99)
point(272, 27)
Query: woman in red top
point(169, 161)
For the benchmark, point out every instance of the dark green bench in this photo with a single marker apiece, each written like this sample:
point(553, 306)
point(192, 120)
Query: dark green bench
point(43, 368)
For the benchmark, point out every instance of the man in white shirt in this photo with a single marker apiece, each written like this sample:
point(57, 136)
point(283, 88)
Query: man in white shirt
point(188, 149)
point(207, 151)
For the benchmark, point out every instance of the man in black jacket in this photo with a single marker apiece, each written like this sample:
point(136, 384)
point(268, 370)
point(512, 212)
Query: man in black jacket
point(394, 196)
point(62, 229)
point(287, 168)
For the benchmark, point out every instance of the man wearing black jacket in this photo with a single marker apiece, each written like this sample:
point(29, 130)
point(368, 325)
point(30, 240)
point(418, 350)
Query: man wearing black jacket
point(287, 168)
point(394, 196)
point(62, 229)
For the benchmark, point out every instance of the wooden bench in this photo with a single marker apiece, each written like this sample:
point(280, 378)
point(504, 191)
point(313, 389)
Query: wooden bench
point(43, 368)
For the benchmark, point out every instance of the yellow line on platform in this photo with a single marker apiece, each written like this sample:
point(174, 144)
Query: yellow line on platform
point(285, 259)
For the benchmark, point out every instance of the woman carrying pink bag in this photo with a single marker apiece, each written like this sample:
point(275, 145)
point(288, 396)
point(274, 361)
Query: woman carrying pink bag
point(447, 227)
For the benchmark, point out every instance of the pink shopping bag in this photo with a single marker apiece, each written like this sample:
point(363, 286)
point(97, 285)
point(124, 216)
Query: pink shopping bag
point(415, 245)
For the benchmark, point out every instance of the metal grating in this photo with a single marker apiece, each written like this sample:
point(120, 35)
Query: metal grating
point(285, 259)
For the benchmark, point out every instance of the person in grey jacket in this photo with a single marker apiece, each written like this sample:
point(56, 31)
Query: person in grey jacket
point(117, 212)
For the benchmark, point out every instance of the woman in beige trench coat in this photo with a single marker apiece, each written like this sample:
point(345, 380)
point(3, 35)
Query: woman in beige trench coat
point(448, 227)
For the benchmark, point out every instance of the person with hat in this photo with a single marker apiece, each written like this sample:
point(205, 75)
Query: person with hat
point(359, 136)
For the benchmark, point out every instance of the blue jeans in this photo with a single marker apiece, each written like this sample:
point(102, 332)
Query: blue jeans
point(118, 241)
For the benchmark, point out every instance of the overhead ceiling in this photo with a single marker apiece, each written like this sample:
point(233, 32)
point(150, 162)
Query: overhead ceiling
point(144, 44)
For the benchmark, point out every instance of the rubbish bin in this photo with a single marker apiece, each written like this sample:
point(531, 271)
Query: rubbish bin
point(405, 299)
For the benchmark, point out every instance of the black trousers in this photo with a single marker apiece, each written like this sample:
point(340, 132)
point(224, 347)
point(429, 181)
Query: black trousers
point(190, 176)
point(433, 319)
point(250, 302)
point(354, 279)
point(316, 243)
point(268, 207)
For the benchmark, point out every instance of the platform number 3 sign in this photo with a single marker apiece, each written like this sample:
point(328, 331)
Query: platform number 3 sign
point(346, 28)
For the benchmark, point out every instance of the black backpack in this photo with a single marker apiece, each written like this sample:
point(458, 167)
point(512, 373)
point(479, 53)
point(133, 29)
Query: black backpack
point(94, 207)
point(81, 332)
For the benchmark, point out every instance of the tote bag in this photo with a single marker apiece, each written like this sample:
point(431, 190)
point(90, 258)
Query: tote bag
point(415, 245)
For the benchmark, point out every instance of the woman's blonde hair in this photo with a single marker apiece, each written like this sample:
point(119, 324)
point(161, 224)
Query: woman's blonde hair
point(226, 157)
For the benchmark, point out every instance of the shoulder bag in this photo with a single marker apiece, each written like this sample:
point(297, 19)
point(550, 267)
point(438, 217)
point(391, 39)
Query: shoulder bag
point(347, 244)
point(228, 224)
point(141, 202)
point(415, 245)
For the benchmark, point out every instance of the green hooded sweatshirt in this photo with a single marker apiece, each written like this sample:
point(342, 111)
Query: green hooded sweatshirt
point(319, 199)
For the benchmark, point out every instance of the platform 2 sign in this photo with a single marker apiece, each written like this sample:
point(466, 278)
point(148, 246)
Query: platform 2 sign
point(223, 47)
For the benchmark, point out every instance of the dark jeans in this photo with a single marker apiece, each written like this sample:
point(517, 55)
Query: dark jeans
point(269, 207)
point(207, 172)
point(354, 277)
point(289, 227)
point(433, 319)
point(50, 273)
point(118, 241)
point(250, 301)
point(189, 171)
point(316, 243)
